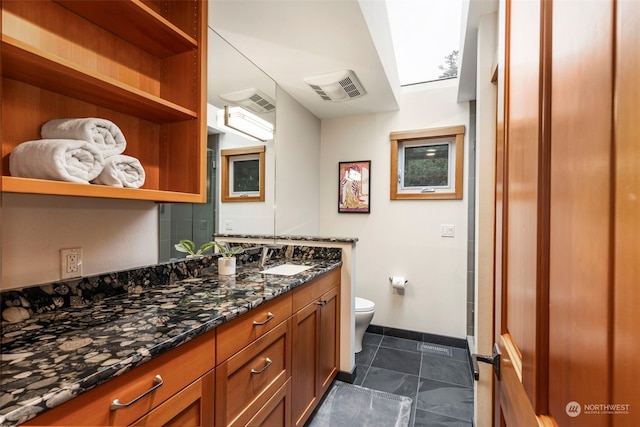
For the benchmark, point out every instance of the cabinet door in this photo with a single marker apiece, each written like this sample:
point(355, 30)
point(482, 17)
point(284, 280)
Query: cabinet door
point(304, 362)
point(191, 407)
point(329, 350)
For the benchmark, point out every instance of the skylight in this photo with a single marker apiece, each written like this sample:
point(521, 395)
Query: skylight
point(425, 34)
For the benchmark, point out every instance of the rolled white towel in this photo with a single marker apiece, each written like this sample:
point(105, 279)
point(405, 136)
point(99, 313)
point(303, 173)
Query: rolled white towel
point(106, 136)
point(121, 171)
point(57, 159)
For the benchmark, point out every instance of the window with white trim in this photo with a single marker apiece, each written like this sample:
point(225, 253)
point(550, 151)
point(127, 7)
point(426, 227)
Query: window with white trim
point(427, 164)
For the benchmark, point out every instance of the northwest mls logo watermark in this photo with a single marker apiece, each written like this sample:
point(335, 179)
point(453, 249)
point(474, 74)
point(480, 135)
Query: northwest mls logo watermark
point(573, 409)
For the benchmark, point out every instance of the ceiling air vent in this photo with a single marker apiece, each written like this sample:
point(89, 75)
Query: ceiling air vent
point(338, 86)
point(252, 99)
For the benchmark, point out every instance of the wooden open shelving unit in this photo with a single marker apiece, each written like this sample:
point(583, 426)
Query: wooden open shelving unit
point(140, 64)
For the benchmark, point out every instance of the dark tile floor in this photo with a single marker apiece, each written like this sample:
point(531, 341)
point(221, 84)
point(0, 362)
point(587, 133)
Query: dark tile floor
point(436, 377)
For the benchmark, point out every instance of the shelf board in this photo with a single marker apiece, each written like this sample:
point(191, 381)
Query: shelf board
point(136, 23)
point(11, 184)
point(25, 63)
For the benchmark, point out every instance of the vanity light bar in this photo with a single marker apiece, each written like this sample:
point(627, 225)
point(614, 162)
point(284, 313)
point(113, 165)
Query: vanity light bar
point(239, 119)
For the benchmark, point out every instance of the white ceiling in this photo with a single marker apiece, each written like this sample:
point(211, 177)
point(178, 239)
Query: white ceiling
point(293, 39)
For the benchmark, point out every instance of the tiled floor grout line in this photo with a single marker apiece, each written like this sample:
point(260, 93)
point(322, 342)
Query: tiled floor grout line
point(367, 368)
point(371, 362)
point(415, 407)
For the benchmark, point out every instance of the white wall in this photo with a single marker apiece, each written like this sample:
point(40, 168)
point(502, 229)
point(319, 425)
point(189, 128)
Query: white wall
point(297, 168)
point(248, 217)
point(114, 235)
point(243, 217)
point(401, 237)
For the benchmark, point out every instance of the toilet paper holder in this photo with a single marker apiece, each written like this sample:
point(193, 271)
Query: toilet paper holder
point(398, 283)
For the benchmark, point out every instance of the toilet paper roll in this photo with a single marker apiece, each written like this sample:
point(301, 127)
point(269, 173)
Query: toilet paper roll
point(398, 282)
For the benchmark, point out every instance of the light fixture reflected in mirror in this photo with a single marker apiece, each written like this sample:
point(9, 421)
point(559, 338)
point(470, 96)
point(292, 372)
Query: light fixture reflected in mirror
point(247, 123)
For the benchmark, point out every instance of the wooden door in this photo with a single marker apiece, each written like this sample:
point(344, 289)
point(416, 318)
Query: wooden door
point(567, 213)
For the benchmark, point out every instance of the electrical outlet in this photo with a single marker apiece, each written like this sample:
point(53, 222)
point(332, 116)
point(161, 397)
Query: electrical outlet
point(228, 225)
point(70, 263)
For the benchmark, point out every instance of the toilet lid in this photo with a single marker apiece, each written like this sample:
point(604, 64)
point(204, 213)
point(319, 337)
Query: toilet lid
point(364, 304)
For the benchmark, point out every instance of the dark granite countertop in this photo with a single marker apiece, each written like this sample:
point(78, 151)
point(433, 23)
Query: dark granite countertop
point(54, 356)
point(291, 237)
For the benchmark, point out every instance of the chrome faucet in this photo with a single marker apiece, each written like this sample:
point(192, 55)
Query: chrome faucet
point(267, 252)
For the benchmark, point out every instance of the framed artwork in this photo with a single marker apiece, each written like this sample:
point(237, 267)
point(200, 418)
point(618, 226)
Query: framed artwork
point(353, 187)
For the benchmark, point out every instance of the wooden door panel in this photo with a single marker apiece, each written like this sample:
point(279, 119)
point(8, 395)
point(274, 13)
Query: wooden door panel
point(523, 137)
point(520, 218)
point(580, 228)
point(626, 371)
point(514, 406)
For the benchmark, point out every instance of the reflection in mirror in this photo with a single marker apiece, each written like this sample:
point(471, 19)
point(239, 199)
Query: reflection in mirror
point(233, 82)
point(242, 174)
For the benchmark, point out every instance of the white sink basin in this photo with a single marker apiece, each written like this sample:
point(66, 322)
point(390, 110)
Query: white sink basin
point(287, 269)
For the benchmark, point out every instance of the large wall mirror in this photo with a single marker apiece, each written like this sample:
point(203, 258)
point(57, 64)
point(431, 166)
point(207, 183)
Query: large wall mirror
point(246, 97)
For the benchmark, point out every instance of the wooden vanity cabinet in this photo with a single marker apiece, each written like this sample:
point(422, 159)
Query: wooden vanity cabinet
point(185, 398)
point(140, 64)
point(316, 352)
point(308, 339)
point(275, 363)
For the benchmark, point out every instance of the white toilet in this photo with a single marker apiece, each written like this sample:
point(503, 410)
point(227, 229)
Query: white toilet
point(364, 313)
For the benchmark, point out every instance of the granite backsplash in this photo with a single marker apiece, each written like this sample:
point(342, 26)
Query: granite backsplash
point(17, 305)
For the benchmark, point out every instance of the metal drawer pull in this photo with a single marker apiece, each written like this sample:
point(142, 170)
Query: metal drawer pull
point(266, 365)
point(322, 303)
point(157, 382)
point(270, 316)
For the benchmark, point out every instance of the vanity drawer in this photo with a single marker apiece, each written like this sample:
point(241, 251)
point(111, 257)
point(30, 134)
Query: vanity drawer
point(313, 290)
point(233, 336)
point(277, 411)
point(178, 368)
point(249, 379)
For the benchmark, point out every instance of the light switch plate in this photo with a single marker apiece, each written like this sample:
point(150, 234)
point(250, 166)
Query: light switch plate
point(447, 230)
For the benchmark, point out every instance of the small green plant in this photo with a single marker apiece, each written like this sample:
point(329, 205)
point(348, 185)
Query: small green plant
point(226, 252)
point(187, 246)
